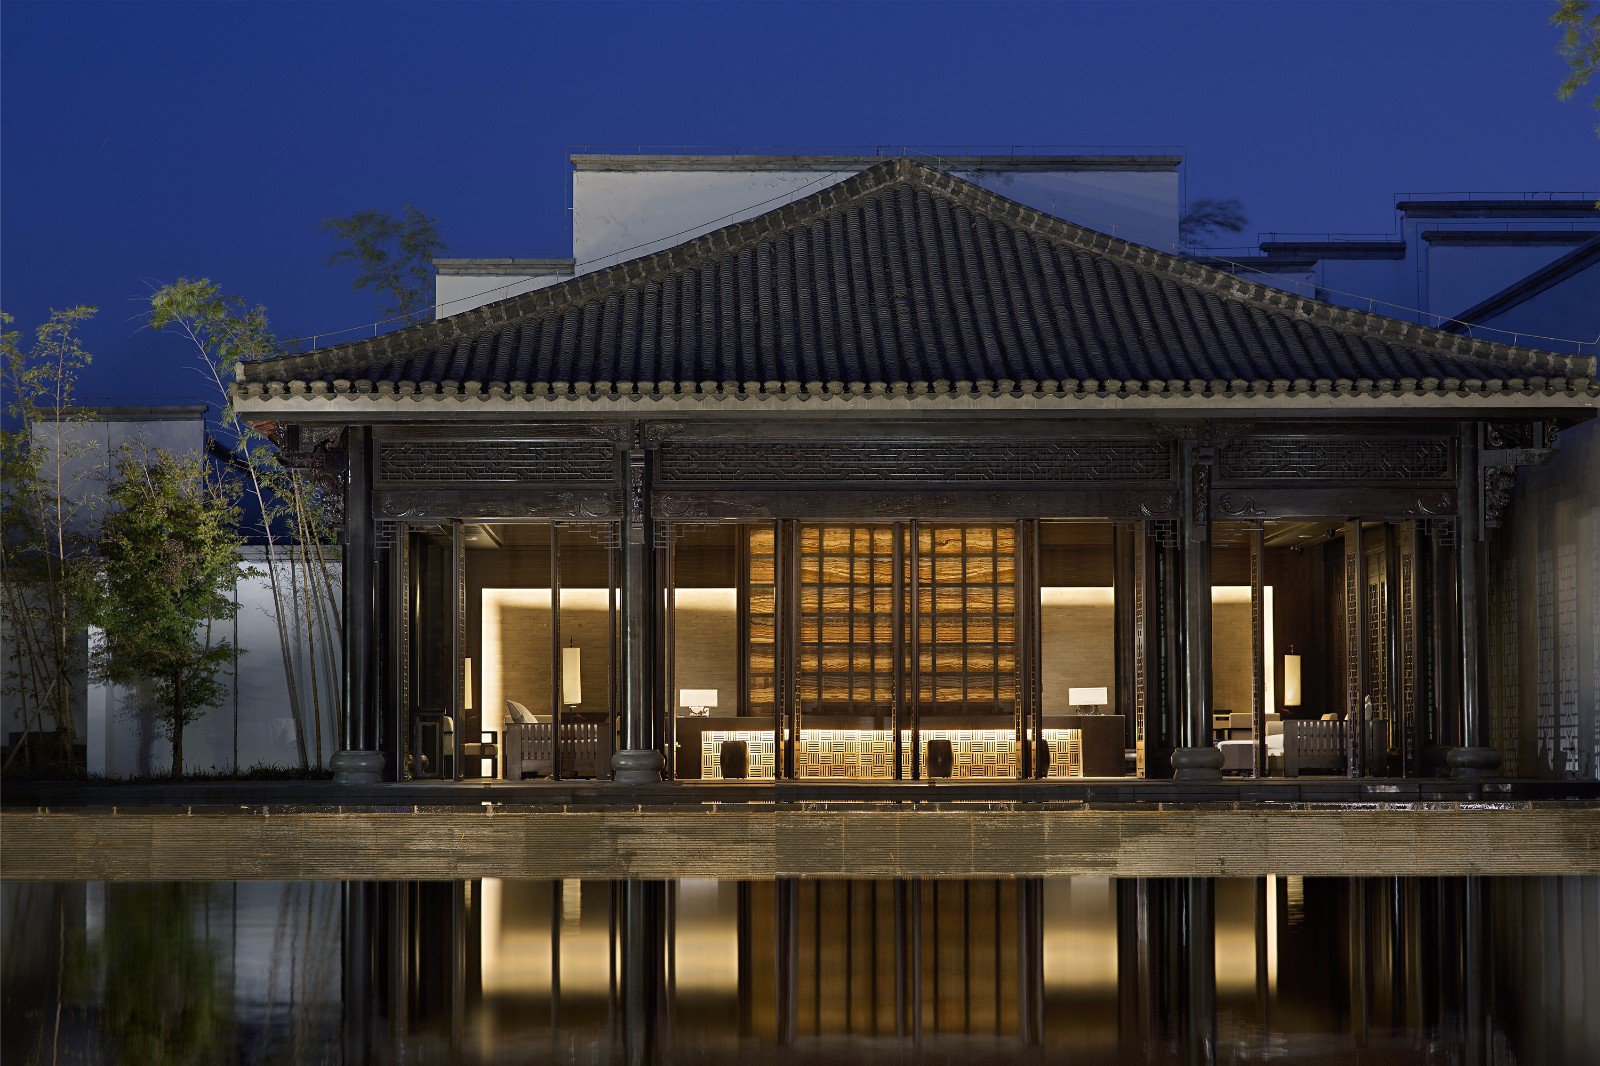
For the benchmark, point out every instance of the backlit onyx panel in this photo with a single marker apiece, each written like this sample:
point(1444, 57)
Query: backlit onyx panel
point(954, 597)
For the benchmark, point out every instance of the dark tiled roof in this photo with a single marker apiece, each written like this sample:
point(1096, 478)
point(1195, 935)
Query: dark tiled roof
point(902, 276)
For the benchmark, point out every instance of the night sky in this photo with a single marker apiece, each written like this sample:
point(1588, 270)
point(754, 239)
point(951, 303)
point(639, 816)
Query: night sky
point(146, 142)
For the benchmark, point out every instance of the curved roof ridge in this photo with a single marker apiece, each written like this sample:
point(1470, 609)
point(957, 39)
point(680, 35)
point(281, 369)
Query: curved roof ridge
point(505, 312)
point(711, 247)
point(1231, 286)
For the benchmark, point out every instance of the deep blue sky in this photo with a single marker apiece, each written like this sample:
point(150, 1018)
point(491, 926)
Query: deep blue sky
point(144, 142)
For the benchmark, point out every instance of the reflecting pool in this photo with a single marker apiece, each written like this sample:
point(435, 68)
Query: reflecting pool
point(1086, 970)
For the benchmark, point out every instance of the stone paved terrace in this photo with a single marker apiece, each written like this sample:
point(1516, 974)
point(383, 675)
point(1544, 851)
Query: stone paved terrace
point(300, 831)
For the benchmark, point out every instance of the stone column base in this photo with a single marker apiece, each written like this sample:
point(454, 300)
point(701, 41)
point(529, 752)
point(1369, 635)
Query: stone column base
point(1197, 764)
point(1472, 762)
point(637, 766)
point(357, 767)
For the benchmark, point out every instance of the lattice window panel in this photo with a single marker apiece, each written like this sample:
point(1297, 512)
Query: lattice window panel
point(1567, 651)
point(760, 636)
point(966, 607)
point(1140, 694)
point(1352, 635)
point(1594, 637)
point(1377, 643)
point(967, 611)
point(846, 615)
point(1546, 727)
point(1410, 688)
point(1504, 665)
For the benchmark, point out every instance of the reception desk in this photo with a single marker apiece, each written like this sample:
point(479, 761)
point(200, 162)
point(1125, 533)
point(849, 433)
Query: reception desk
point(1103, 741)
point(862, 747)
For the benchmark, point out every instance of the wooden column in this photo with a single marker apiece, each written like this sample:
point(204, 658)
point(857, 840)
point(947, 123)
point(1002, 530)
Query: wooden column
point(458, 644)
point(639, 761)
point(1125, 615)
point(1355, 646)
point(1258, 655)
point(1474, 758)
point(358, 761)
point(1440, 727)
point(555, 647)
point(1407, 641)
point(1196, 757)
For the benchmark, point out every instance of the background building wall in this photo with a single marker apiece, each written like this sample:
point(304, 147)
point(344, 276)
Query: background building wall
point(1544, 616)
point(253, 725)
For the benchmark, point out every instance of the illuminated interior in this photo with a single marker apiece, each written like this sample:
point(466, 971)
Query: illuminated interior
point(906, 644)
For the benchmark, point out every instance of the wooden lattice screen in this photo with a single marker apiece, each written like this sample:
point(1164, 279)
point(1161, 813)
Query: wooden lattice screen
point(964, 611)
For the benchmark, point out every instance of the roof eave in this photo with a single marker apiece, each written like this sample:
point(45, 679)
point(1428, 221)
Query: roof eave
point(362, 401)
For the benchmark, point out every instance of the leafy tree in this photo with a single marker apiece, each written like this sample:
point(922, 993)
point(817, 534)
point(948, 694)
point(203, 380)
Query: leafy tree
point(294, 528)
point(393, 257)
point(42, 547)
point(168, 560)
point(159, 979)
point(1207, 217)
point(1579, 22)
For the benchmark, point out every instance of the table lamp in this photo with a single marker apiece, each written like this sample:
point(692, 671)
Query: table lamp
point(698, 700)
point(1086, 698)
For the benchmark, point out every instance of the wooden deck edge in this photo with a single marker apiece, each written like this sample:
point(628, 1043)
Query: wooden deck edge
point(760, 844)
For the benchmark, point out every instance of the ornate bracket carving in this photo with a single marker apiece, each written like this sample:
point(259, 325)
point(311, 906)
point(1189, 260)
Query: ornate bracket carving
point(1238, 506)
point(318, 452)
point(636, 504)
point(1159, 505)
point(1506, 447)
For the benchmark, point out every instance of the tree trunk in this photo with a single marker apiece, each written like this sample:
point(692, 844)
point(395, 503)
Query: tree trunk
point(177, 727)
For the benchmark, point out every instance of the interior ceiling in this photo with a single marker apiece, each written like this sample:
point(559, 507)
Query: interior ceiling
point(1298, 534)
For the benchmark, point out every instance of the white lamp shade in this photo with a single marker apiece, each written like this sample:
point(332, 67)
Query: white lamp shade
point(697, 697)
point(571, 676)
point(466, 684)
point(1087, 697)
point(1291, 680)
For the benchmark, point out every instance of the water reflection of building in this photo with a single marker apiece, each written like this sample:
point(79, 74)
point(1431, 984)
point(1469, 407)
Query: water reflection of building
point(1083, 969)
point(1008, 970)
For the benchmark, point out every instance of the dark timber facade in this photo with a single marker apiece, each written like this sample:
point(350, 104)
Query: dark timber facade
point(913, 398)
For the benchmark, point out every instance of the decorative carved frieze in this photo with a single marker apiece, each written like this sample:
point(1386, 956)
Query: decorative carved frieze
point(879, 505)
point(1305, 458)
point(525, 461)
point(415, 505)
point(891, 461)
